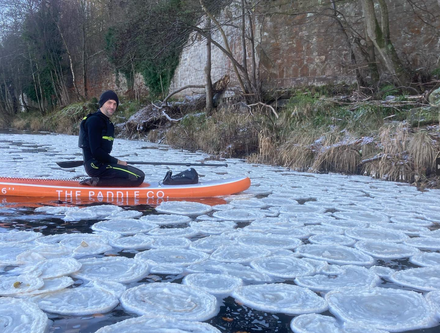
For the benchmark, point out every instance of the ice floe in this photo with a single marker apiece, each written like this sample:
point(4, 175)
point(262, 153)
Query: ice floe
point(173, 242)
point(239, 215)
point(424, 243)
point(432, 234)
point(157, 324)
point(211, 243)
point(424, 278)
point(342, 277)
point(301, 209)
point(138, 242)
point(362, 216)
point(212, 227)
point(316, 323)
point(280, 298)
point(324, 229)
point(426, 259)
point(19, 315)
point(52, 285)
point(114, 288)
point(277, 201)
point(385, 250)
point(49, 251)
point(409, 229)
point(78, 301)
point(9, 253)
point(249, 203)
point(345, 223)
point(170, 299)
point(382, 271)
point(173, 232)
point(433, 298)
point(115, 269)
point(331, 239)
point(384, 235)
point(246, 273)
point(90, 248)
point(268, 241)
point(336, 254)
point(124, 226)
point(283, 267)
point(239, 253)
point(125, 214)
point(387, 309)
point(416, 221)
point(166, 219)
point(215, 284)
point(20, 284)
point(183, 208)
point(170, 256)
point(52, 268)
point(10, 238)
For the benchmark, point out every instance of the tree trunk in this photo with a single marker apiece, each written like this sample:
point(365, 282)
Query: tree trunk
point(84, 50)
point(69, 55)
point(227, 48)
point(379, 35)
point(208, 87)
point(255, 80)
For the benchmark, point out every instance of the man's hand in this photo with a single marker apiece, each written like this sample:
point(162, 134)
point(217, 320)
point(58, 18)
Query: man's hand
point(122, 162)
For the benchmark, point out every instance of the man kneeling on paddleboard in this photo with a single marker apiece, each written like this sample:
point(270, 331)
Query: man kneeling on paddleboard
point(96, 137)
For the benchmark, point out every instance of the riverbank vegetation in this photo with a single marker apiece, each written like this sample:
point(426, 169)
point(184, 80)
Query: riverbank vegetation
point(393, 138)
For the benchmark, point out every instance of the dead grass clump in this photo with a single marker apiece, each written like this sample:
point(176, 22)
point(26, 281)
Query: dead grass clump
point(267, 150)
point(339, 154)
point(36, 124)
point(67, 120)
point(298, 152)
point(393, 162)
point(226, 133)
point(20, 124)
point(423, 149)
point(67, 125)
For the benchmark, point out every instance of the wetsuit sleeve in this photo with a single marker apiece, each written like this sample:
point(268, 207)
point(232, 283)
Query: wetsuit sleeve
point(95, 128)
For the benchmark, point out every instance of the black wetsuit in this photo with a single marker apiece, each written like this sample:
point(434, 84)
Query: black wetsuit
point(96, 140)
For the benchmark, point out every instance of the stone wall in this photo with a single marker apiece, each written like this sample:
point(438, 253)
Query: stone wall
point(311, 48)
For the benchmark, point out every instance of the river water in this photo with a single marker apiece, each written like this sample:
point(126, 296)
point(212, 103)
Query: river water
point(294, 242)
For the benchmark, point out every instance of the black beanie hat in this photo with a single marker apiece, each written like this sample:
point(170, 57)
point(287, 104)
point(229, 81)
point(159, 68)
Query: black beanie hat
point(106, 95)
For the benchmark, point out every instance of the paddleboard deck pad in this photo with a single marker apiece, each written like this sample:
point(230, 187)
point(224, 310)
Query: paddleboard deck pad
point(71, 190)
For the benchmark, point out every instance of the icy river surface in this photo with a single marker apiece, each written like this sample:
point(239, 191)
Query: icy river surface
point(296, 252)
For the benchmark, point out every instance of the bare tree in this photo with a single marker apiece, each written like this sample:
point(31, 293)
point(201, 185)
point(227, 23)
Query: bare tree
point(208, 85)
point(249, 87)
point(377, 26)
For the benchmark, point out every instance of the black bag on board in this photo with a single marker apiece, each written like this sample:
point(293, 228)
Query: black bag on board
point(188, 176)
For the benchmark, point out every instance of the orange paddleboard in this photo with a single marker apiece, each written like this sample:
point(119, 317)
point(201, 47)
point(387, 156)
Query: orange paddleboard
point(147, 193)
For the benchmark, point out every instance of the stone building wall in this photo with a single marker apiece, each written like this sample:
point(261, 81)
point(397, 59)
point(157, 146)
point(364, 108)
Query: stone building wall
point(311, 49)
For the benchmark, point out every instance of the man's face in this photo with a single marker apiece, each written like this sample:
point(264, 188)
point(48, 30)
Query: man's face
point(109, 108)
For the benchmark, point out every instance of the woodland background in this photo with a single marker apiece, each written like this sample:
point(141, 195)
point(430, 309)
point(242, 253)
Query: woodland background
point(320, 85)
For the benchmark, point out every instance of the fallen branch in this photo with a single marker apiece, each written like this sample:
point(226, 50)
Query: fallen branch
point(162, 111)
point(266, 105)
point(179, 90)
point(372, 159)
point(169, 118)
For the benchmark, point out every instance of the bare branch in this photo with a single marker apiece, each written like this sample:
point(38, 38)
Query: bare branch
point(265, 105)
point(179, 90)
